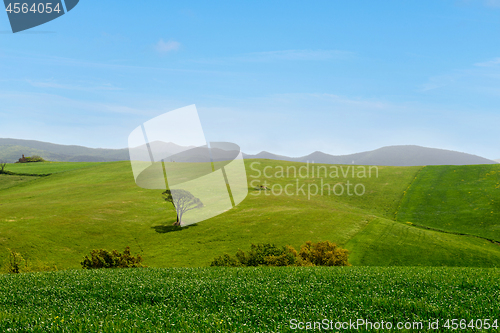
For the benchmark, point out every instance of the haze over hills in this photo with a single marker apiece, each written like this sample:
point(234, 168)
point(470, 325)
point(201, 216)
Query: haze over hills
point(390, 156)
point(12, 149)
point(161, 150)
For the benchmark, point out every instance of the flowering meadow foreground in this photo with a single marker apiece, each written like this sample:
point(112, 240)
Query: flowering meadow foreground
point(250, 299)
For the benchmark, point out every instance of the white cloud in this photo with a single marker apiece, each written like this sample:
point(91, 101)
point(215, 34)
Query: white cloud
point(74, 62)
point(486, 3)
point(297, 124)
point(491, 63)
point(166, 47)
point(85, 87)
point(283, 55)
point(479, 78)
point(492, 3)
point(341, 102)
point(295, 55)
point(440, 81)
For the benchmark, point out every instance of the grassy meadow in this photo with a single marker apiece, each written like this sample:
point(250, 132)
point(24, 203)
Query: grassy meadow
point(54, 221)
point(458, 199)
point(49, 167)
point(407, 216)
point(245, 299)
point(7, 181)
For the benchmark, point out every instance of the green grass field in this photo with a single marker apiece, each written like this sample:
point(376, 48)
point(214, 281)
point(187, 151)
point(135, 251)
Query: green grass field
point(457, 199)
point(7, 181)
point(54, 221)
point(246, 299)
point(388, 243)
point(49, 167)
point(407, 216)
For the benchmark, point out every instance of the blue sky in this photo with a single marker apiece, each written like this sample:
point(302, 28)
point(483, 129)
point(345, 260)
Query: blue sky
point(290, 77)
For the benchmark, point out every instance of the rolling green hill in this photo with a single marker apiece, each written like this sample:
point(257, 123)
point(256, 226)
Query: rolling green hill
point(56, 220)
point(7, 181)
point(48, 167)
point(457, 199)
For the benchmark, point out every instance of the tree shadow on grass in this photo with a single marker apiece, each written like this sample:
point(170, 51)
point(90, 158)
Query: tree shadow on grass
point(163, 229)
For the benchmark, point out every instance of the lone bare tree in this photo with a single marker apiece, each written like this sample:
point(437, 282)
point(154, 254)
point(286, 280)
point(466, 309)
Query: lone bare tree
point(183, 201)
point(2, 166)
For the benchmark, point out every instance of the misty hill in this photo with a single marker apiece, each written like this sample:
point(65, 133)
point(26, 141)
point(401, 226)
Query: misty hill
point(160, 151)
point(12, 149)
point(391, 156)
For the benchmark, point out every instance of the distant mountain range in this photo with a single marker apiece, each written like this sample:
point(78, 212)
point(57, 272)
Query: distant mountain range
point(392, 155)
point(12, 149)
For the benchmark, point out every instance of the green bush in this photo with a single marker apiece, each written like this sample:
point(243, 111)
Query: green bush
point(226, 260)
point(29, 159)
point(35, 158)
point(114, 259)
point(15, 261)
point(288, 257)
point(311, 254)
point(324, 254)
point(258, 254)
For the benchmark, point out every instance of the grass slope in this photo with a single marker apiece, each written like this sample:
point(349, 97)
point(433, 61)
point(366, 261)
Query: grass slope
point(48, 167)
point(82, 206)
point(388, 243)
point(245, 299)
point(7, 181)
point(458, 199)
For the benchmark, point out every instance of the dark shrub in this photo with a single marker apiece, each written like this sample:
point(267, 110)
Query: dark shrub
point(288, 257)
point(34, 158)
point(15, 260)
point(324, 254)
point(105, 259)
point(226, 260)
point(311, 254)
point(258, 254)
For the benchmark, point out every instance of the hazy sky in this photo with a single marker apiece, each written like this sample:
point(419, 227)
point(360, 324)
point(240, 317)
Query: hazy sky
point(289, 77)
